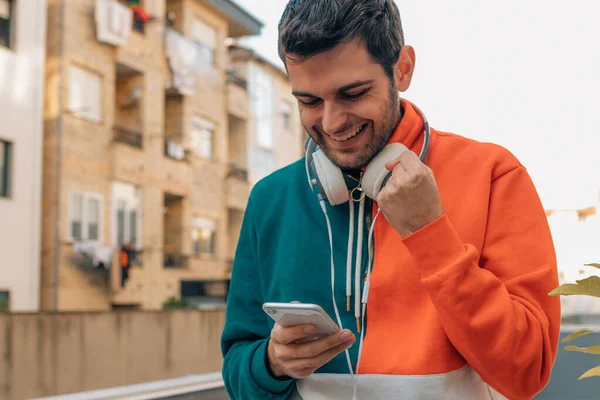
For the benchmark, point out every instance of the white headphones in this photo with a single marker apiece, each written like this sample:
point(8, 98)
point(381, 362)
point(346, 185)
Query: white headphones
point(329, 179)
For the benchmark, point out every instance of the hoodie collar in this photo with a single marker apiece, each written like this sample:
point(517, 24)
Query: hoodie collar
point(409, 131)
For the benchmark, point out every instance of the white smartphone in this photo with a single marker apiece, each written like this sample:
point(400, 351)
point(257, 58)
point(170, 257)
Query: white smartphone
point(290, 314)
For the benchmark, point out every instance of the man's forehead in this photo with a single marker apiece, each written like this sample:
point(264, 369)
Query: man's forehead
point(329, 71)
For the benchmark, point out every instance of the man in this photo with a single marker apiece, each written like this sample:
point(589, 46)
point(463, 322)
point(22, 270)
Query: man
point(458, 306)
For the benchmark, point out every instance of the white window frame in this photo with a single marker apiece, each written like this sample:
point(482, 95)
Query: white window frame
point(261, 105)
point(286, 108)
point(132, 203)
point(199, 223)
point(205, 36)
point(85, 197)
point(85, 93)
point(202, 131)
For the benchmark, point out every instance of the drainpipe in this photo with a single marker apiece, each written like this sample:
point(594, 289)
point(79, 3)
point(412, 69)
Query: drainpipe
point(59, 136)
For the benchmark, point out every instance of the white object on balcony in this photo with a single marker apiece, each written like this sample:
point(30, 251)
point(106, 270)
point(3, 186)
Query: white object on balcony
point(188, 61)
point(97, 253)
point(175, 150)
point(113, 22)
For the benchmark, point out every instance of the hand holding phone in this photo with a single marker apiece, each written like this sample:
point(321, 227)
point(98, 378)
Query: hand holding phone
point(303, 339)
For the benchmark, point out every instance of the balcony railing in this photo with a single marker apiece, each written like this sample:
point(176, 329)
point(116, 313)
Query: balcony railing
point(175, 260)
point(128, 136)
point(237, 172)
point(237, 79)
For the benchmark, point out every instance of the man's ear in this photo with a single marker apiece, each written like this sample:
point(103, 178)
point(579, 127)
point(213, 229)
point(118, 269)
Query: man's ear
point(404, 68)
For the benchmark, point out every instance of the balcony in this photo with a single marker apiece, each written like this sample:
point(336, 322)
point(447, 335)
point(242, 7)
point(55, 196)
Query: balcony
point(238, 102)
point(238, 188)
point(128, 136)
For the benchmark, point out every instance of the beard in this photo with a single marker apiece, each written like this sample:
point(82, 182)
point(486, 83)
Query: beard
point(382, 132)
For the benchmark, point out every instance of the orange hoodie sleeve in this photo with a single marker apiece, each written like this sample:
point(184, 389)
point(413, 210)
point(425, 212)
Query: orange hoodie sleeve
point(494, 304)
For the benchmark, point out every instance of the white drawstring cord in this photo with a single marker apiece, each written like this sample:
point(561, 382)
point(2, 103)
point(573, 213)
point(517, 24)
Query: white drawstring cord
point(365, 296)
point(357, 271)
point(337, 313)
point(349, 256)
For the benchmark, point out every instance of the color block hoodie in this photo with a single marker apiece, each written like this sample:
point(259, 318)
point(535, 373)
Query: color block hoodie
point(458, 310)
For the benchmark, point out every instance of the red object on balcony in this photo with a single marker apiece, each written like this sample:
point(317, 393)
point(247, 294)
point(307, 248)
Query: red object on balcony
point(141, 14)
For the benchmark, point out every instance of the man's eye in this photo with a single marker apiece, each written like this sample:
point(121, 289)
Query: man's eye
point(311, 103)
point(354, 96)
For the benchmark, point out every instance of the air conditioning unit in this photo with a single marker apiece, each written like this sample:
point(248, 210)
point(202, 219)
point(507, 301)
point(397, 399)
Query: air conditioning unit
point(175, 150)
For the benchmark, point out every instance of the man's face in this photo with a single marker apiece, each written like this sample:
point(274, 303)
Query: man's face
point(348, 104)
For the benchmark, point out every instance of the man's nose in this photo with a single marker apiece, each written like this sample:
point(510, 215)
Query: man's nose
point(334, 118)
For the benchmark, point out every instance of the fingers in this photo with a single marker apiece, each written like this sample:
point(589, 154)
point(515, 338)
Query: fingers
point(315, 347)
point(290, 334)
point(301, 360)
point(304, 365)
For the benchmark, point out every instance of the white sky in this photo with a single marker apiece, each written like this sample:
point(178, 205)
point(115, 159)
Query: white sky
point(524, 74)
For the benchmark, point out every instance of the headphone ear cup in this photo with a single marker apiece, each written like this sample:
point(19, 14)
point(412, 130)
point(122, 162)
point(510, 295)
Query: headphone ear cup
point(330, 179)
point(376, 175)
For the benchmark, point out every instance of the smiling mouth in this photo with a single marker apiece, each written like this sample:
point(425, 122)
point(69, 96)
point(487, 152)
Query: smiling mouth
point(350, 135)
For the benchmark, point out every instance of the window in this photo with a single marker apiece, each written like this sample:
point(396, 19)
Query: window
point(5, 162)
point(4, 301)
point(201, 137)
point(126, 200)
point(203, 236)
point(85, 217)
point(205, 37)
point(261, 106)
point(85, 93)
point(7, 18)
point(286, 115)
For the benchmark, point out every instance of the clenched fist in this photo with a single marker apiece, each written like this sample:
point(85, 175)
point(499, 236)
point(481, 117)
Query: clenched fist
point(299, 360)
point(410, 199)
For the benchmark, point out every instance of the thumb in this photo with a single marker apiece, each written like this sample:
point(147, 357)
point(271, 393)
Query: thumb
point(392, 164)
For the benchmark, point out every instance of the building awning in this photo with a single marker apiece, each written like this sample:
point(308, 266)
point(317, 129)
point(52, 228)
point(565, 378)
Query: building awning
point(240, 22)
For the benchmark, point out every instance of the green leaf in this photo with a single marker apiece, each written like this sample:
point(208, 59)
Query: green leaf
point(587, 350)
point(578, 334)
point(595, 265)
point(587, 287)
point(592, 372)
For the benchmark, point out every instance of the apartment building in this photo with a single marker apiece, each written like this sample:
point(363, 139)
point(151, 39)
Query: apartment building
point(275, 134)
point(22, 60)
point(138, 152)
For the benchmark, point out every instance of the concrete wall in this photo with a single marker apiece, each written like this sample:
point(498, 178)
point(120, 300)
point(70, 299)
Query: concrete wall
point(50, 354)
point(21, 116)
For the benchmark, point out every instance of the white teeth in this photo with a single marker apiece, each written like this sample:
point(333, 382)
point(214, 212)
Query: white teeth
point(349, 135)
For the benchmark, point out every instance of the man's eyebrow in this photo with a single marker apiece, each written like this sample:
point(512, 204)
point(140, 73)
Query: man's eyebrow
point(340, 90)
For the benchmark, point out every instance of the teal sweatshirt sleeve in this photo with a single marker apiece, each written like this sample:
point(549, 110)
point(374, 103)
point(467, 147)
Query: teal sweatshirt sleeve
point(246, 334)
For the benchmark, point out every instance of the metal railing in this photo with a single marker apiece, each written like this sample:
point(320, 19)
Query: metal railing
point(237, 79)
point(128, 136)
point(237, 172)
point(162, 389)
point(175, 260)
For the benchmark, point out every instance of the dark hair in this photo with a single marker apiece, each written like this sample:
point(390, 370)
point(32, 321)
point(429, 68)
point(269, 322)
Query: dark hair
point(309, 27)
